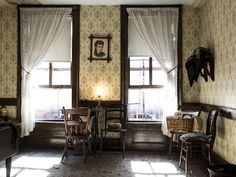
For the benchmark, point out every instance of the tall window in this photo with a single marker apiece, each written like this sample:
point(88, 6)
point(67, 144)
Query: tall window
point(146, 82)
point(52, 89)
point(152, 32)
point(52, 78)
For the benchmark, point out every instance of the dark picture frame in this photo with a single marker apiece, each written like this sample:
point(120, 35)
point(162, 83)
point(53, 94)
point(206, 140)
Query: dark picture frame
point(99, 48)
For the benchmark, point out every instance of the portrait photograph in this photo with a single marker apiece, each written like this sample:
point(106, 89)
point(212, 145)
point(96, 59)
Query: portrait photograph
point(99, 49)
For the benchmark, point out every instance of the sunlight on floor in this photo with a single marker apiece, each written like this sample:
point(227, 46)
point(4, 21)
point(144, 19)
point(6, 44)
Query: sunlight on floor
point(28, 166)
point(155, 169)
point(36, 162)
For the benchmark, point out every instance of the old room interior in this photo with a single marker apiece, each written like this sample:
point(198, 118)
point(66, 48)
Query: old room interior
point(107, 88)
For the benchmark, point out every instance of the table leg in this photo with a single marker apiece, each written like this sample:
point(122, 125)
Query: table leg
point(171, 141)
point(101, 139)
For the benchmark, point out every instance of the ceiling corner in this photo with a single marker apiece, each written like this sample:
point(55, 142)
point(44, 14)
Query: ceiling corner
point(4, 3)
point(198, 3)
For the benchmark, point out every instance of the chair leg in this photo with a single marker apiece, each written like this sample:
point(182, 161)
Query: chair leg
point(190, 150)
point(204, 153)
point(184, 155)
point(84, 151)
point(181, 154)
point(187, 157)
point(65, 151)
point(90, 152)
point(123, 144)
point(209, 152)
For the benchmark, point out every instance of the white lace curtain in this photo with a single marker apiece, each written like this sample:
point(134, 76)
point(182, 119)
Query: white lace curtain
point(158, 28)
point(39, 27)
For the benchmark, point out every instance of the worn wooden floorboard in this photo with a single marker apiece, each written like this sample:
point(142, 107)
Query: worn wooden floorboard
point(46, 163)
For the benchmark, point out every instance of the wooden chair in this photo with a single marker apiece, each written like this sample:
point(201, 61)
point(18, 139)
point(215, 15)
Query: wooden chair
point(115, 120)
point(78, 124)
point(203, 141)
point(178, 127)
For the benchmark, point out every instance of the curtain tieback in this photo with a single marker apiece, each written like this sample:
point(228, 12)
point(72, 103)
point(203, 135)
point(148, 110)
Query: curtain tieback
point(25, 70)
point(172, 69)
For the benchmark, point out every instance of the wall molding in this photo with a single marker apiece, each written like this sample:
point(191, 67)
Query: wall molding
point(94, 103)
point(226, 112)
point(9, 101)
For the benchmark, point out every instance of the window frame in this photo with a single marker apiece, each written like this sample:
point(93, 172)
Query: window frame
point(150, 85)
point(124, 51)
point(50, 85)
point(75, 56)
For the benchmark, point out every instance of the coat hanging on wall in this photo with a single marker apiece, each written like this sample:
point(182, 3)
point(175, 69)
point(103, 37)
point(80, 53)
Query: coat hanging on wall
point(201, 62)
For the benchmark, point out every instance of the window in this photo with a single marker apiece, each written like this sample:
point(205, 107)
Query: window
point(145, 71)
point(52, 89)
point(52, 78)
point(145, 92)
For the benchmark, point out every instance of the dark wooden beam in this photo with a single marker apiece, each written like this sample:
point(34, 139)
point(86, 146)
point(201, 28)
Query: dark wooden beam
point(93, 103)
point(75, 56)
point(150, 6)
point(9, 101)
point(48, 6)
point(124, 54)
point(18, 112)
point(180, 58)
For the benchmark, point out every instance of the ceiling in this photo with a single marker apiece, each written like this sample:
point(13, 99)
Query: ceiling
point(194, 3)
point(116, 2)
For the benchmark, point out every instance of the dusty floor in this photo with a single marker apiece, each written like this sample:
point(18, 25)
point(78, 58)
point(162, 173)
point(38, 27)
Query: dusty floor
point(46, 163)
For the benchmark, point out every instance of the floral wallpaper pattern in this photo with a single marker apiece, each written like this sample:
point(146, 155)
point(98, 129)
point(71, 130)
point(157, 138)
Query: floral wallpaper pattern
point(190, 41)
point(212, 26)
point(217, 32)
point(8, 52)
point(100, 20)
point(8, 55)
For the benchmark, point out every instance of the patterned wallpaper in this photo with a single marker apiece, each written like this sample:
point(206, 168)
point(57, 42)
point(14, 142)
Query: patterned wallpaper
point(216, 31)
point(100, 20)
point(191, 40)
point(8, 55)
point(8, 52)
point(218, 26)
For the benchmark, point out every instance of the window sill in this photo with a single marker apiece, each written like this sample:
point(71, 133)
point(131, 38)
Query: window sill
point(144, 123)
point(50, 121)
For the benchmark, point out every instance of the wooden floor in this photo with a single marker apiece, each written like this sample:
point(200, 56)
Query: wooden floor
point(46, 163)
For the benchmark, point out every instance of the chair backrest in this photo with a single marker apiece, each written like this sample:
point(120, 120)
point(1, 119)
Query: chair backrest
point(116, 114)
point(77, 120)
point(211, 124)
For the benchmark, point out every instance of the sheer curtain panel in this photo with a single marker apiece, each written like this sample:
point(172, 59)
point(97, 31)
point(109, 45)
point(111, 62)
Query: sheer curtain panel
point(158, 28)
point(39, 28)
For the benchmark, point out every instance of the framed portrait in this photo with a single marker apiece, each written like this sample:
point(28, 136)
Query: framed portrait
point(99, 48)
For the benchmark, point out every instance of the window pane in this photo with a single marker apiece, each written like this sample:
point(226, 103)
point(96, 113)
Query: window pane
point(145, 104)
point(61, 73)
point(48, 102)
point(42, 74)
point(158, 75)
point(139, 71)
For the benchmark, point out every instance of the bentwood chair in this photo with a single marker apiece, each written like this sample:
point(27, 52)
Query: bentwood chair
point(115, 120)
point(78, 124)
point(197, 140)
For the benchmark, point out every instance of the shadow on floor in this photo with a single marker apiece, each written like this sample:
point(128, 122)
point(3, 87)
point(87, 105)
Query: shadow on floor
point(46, 163)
